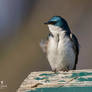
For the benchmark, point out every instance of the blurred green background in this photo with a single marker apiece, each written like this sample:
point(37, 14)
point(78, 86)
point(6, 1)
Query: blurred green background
point(22, 28)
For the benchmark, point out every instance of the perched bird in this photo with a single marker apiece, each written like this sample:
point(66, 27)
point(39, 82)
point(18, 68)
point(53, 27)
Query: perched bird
point(61, 46)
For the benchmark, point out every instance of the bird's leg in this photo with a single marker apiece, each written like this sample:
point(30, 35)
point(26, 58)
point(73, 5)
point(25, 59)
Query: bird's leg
point(54, 70)
point(65, 69)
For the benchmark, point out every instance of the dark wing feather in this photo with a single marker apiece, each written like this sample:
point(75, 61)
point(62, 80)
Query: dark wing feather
point(75, 47)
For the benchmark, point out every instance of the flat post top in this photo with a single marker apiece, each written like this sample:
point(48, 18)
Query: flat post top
point(48, 79)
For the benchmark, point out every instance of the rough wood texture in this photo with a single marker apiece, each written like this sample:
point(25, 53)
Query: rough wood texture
point(47, 81)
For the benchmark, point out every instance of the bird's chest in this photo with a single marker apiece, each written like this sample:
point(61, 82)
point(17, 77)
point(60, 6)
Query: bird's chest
point(60, 47)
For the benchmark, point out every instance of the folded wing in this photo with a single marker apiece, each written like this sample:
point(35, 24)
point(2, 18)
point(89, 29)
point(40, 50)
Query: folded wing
point(75, 47)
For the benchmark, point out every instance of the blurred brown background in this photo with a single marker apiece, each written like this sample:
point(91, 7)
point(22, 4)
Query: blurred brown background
point(22, 28)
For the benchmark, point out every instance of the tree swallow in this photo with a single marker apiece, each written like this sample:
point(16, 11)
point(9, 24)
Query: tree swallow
point(61, 46)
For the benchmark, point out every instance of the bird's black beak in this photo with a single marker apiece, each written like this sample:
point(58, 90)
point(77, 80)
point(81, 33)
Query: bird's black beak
point(50, 22)
point(47, 22)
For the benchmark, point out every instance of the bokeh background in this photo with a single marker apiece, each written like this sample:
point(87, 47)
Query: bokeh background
point(22, 28)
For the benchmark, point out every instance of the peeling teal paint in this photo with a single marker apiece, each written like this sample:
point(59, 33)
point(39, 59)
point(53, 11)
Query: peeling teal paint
point(84, 74)
point(39, 78)
point(63, 89)
point(85, 79)
point(80, 74)
point(44, 74)
point(74, 75)
point(63, 82)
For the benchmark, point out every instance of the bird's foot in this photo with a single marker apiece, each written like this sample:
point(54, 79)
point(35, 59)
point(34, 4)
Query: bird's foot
point(65, 69)
point(55, 71)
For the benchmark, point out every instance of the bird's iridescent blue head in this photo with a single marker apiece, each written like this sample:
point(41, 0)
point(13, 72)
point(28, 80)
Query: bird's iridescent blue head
point(58, 21)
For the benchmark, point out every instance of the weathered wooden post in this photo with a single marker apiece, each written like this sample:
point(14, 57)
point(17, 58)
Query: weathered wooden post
point(47, 81)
